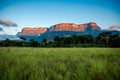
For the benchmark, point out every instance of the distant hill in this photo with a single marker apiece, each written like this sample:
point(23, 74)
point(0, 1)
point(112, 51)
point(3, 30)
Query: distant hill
point(114, 28)
point(32, 31)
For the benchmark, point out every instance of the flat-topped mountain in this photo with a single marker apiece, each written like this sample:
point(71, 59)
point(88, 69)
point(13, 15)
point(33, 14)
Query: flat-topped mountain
point(74, 27)
point(32, 31)
point(63, 30)
point(60, 27)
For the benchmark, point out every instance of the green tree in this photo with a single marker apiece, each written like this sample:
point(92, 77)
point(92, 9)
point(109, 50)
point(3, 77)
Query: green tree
point(44, 42)
point(33, 43)
point(84, 39)
point(103, 38)
point(114, 41)
point(57, 41)
point(6, 42)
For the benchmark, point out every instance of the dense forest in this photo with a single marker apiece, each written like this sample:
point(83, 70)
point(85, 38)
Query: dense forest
point(105, 39)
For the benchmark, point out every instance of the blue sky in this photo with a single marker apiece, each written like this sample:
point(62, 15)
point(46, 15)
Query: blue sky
point(44, 13)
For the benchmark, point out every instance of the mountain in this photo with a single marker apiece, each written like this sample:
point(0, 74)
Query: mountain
point(60, 27)
point(62, 30)
point(74, 27)
point(114, 28)
point(32, 31)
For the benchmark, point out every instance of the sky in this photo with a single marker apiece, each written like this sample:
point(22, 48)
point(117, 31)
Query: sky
point(45, 13)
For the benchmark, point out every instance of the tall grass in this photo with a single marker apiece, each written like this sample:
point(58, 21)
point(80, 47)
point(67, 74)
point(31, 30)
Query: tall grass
point(59, 63)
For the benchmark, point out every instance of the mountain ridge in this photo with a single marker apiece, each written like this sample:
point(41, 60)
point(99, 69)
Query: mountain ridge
point(60, 27)
point(64, 30)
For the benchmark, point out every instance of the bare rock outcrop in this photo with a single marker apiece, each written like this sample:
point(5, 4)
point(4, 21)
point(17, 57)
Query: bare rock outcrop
point(32, 31)
point(74, 27)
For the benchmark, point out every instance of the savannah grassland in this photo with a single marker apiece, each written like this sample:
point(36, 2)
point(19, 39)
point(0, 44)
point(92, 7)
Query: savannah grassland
point(59, 63)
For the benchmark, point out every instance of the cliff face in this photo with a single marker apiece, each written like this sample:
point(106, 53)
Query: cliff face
point(74, 27)
point(64, 27)
point(32, 31)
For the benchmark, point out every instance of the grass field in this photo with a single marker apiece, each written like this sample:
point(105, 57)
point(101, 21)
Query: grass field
point(59, 63)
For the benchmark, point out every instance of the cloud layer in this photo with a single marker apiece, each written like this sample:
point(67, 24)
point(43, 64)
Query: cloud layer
point(7, 23)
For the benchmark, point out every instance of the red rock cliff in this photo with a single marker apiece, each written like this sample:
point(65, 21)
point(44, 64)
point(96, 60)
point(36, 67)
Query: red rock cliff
point(73, 27)
point(32, 31)
point(60, 27)
point(94, 26)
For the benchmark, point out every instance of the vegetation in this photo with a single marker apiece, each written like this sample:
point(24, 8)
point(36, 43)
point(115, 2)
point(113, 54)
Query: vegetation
point(105, 39)
point(108, 39)
point(59, 63)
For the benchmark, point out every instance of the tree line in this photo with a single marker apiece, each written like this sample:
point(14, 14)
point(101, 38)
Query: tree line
point(105, 39)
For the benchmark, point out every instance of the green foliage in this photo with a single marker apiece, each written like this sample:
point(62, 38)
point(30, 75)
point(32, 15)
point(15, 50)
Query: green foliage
point(108, 39)
point(23, 38)
point(105, 39)
point(72, 40)
point(33, 43)
point(59, 63)
point(44, 40)
point(114, 41)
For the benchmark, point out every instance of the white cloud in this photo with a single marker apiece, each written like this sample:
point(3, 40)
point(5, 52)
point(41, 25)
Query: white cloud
point(9, 30)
